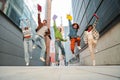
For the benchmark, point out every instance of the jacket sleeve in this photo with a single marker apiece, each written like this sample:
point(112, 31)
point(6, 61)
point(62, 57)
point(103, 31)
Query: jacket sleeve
point(95, 23)
point(54, 26)
point(39, 19)
point(39, 22)
point(63, 39)
point(70, 24)
point(48, 33)
point(94, 31)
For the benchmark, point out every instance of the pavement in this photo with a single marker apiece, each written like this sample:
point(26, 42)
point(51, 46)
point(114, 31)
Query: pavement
point(60, 73)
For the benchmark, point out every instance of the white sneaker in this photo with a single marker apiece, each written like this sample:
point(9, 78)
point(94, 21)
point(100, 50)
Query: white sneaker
point(73, 55)
point(96, 50)
point(79, 47)
point(41, 58)
point(34, 46)
point(27, 64)
point(57, 63)
point(36, 36)
point(93, 62)
point(31, 57)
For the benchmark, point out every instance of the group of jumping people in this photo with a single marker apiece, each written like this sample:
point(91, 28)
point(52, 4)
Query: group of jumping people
point(90, 37)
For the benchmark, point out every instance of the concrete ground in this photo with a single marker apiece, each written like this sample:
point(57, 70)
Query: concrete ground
point(60, 73)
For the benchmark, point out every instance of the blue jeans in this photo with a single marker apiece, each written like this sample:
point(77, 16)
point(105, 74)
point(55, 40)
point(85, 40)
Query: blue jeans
point(27, 49)
point(40, 42)
point(58, 45)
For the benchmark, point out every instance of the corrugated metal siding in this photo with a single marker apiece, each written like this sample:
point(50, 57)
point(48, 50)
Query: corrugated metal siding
point(11, 43)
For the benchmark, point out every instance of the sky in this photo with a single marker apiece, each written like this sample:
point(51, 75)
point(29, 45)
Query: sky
point(32, 4)
point(58, 7)
point(61, 8)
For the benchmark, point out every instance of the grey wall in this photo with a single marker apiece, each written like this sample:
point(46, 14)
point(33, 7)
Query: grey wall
point(11, 45)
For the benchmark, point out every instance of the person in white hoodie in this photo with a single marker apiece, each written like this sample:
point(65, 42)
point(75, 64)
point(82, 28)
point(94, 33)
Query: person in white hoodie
point(27, 44)
point(91, 36)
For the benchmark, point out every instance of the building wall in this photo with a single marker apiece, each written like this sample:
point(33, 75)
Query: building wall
point(11, 43)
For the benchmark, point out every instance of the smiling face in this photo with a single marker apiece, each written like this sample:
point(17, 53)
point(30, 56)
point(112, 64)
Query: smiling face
point(44, 22)
point(90, 28)
point(59, 29)
point(75, 26)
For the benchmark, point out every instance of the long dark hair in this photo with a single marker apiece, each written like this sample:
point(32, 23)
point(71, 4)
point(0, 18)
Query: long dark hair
point(88, 27)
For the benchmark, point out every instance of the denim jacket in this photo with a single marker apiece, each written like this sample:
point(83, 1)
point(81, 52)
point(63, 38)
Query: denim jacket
point(72, 31)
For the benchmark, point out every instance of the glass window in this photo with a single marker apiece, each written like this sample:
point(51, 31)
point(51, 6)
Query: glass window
point(1, 4)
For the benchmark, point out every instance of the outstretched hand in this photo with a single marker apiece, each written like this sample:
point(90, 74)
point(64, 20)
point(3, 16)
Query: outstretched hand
point(54, 17)
point(39, 8)
point(96, 16)
point(69, 17)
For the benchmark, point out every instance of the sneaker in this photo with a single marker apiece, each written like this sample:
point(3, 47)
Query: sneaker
point(31, 57)
point(42, 59)
point(36, 36)
point(27, 64)
point(57, 63)
point(79, 47)
point(34, 46)
point(73, 55)
point(93, 62)
point(96, 50)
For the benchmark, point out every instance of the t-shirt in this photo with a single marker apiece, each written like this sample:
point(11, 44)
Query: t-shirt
point(27, 33)
point(42, 31)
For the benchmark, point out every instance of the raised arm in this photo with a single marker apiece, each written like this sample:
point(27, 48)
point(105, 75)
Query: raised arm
point(70, 23)
point(39, 22)
point(69, 17)
point(54, 26)
point(39, 19)
point(96, 21)
point(54, 23)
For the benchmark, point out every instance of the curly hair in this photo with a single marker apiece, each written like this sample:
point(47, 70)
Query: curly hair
point(75, 24)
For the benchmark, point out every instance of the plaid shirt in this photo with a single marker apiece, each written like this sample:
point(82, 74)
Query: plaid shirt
point(95, 33)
